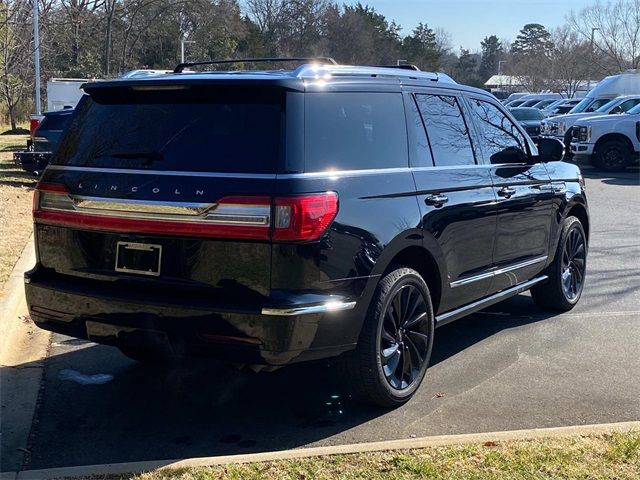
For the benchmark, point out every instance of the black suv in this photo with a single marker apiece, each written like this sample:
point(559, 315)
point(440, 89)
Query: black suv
point(270, 217)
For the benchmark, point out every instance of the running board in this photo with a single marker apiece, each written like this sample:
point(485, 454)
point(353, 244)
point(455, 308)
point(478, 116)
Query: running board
point(447, 317)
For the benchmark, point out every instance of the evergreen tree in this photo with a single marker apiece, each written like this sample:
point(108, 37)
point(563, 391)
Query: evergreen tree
point(492, 51)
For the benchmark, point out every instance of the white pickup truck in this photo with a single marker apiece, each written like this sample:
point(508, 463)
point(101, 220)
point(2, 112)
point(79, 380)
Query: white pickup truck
point(609, 142)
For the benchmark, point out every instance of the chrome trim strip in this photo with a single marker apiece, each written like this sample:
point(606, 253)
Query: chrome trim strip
point(447, 317)
point(500, 271)
point(306, 310)
point(140, 206)
point(203, 213)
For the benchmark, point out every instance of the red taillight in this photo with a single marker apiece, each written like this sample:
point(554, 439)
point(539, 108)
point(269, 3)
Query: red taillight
point(293, 219)
point(33, 125)
point(304, 217)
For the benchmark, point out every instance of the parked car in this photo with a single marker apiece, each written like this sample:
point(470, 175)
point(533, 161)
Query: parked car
point(46, 140)
point(560, 107)
point(515, 96)
point(542, 104)
point(561, 126)
point(273, 217)
point(610, 143)
point(530, 119)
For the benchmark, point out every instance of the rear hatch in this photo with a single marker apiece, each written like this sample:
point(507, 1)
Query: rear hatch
point(165, 187)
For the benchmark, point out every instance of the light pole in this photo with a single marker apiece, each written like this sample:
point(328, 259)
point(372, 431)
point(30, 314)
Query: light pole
point(36, 41)
point(500, 62)
point(593, 30)
point(182, 42)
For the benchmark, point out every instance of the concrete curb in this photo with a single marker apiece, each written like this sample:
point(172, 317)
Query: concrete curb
point(404, 444)
point(14, 292)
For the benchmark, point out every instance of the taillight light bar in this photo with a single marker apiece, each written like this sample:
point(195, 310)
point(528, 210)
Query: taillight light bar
point(296, 218)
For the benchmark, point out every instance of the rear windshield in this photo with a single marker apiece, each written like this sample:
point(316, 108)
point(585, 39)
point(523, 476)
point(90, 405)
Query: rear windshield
point(192, 130)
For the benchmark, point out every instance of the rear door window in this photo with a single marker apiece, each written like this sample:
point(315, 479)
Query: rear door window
point(354, 131)
point(447, 130)
point(207, 131)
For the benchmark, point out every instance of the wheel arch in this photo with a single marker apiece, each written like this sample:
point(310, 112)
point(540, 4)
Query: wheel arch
point(423, 262)
point(612, 136)
point(579, 211)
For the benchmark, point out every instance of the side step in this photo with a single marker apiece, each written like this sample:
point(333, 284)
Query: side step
point(448, 317)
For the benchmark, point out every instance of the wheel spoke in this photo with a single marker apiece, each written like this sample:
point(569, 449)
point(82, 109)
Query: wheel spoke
point(392, 365)
point(416, 352)
point(397, 309)
point(406, 365)
point(387, 353)
point(386, 336)
point(418, 337)
point(415, 320)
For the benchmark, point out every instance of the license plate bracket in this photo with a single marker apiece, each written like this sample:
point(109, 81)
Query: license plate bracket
point(138, 258)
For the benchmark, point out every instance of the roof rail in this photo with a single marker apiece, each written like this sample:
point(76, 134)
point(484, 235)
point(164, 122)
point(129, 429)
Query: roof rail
point(404, 66)
point(318, 71)
point(324, 60)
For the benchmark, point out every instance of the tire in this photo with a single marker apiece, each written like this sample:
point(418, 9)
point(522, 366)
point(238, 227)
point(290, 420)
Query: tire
point(612, 156)
point(562, 291)
point(369, 367)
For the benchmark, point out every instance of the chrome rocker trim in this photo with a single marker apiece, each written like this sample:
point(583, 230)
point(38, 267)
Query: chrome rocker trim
point(500, 271)
point(447, 317)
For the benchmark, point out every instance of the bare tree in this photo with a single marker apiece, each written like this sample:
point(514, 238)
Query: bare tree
point(15, 52)
point(617, 33)
point(568, 66)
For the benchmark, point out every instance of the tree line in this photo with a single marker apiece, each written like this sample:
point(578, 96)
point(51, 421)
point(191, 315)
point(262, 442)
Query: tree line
point(104, 38)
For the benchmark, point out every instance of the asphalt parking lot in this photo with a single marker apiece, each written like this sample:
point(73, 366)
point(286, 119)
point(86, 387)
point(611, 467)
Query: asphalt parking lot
point(510, 367)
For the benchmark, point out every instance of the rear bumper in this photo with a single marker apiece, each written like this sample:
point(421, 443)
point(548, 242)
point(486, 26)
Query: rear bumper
point(286, 329)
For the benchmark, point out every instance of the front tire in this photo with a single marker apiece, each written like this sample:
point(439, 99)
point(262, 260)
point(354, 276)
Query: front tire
point(396, 341)
point(567, 272)
point(612, 156)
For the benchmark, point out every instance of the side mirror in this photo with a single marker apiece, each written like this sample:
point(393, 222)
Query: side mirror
point(616, 110)
point(549, 150)
point(509, 155)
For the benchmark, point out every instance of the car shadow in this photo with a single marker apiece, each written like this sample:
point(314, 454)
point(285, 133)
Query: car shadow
point(205, 409)
point(627, 177)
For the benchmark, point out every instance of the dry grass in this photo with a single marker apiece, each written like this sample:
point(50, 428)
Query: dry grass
point(16, 191)
point(614, 456)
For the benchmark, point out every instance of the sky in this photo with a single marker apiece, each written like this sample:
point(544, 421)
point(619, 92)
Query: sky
point(469, 21)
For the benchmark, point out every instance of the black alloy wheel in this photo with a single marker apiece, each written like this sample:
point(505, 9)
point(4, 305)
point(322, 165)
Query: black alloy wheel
point(404, 337)
point(574, 260)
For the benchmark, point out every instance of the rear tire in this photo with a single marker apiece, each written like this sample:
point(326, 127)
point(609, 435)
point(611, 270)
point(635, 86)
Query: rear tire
point(396, 341)
point(564, 287)
point(612, 156)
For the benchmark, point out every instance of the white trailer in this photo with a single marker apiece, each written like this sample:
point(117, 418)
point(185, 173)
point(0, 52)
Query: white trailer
point(63, 93)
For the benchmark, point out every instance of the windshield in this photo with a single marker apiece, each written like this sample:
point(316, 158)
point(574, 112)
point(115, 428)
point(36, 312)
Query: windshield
point(527, 114)
point(205, 130)
point(589, 105)
point(607, 106)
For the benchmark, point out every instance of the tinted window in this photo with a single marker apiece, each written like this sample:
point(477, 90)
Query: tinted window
point(446, 129)
point(354, 131)
point(55, 122)
point(419, 151)
point(190, 131)
point(501, 140)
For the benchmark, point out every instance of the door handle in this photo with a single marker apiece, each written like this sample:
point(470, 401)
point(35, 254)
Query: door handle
point(506, 192)
point(436, 200)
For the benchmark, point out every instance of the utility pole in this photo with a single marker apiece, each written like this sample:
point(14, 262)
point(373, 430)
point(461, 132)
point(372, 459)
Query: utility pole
point(593, 30)
point(182, 42)
point(36, 41)
point(500, 62)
